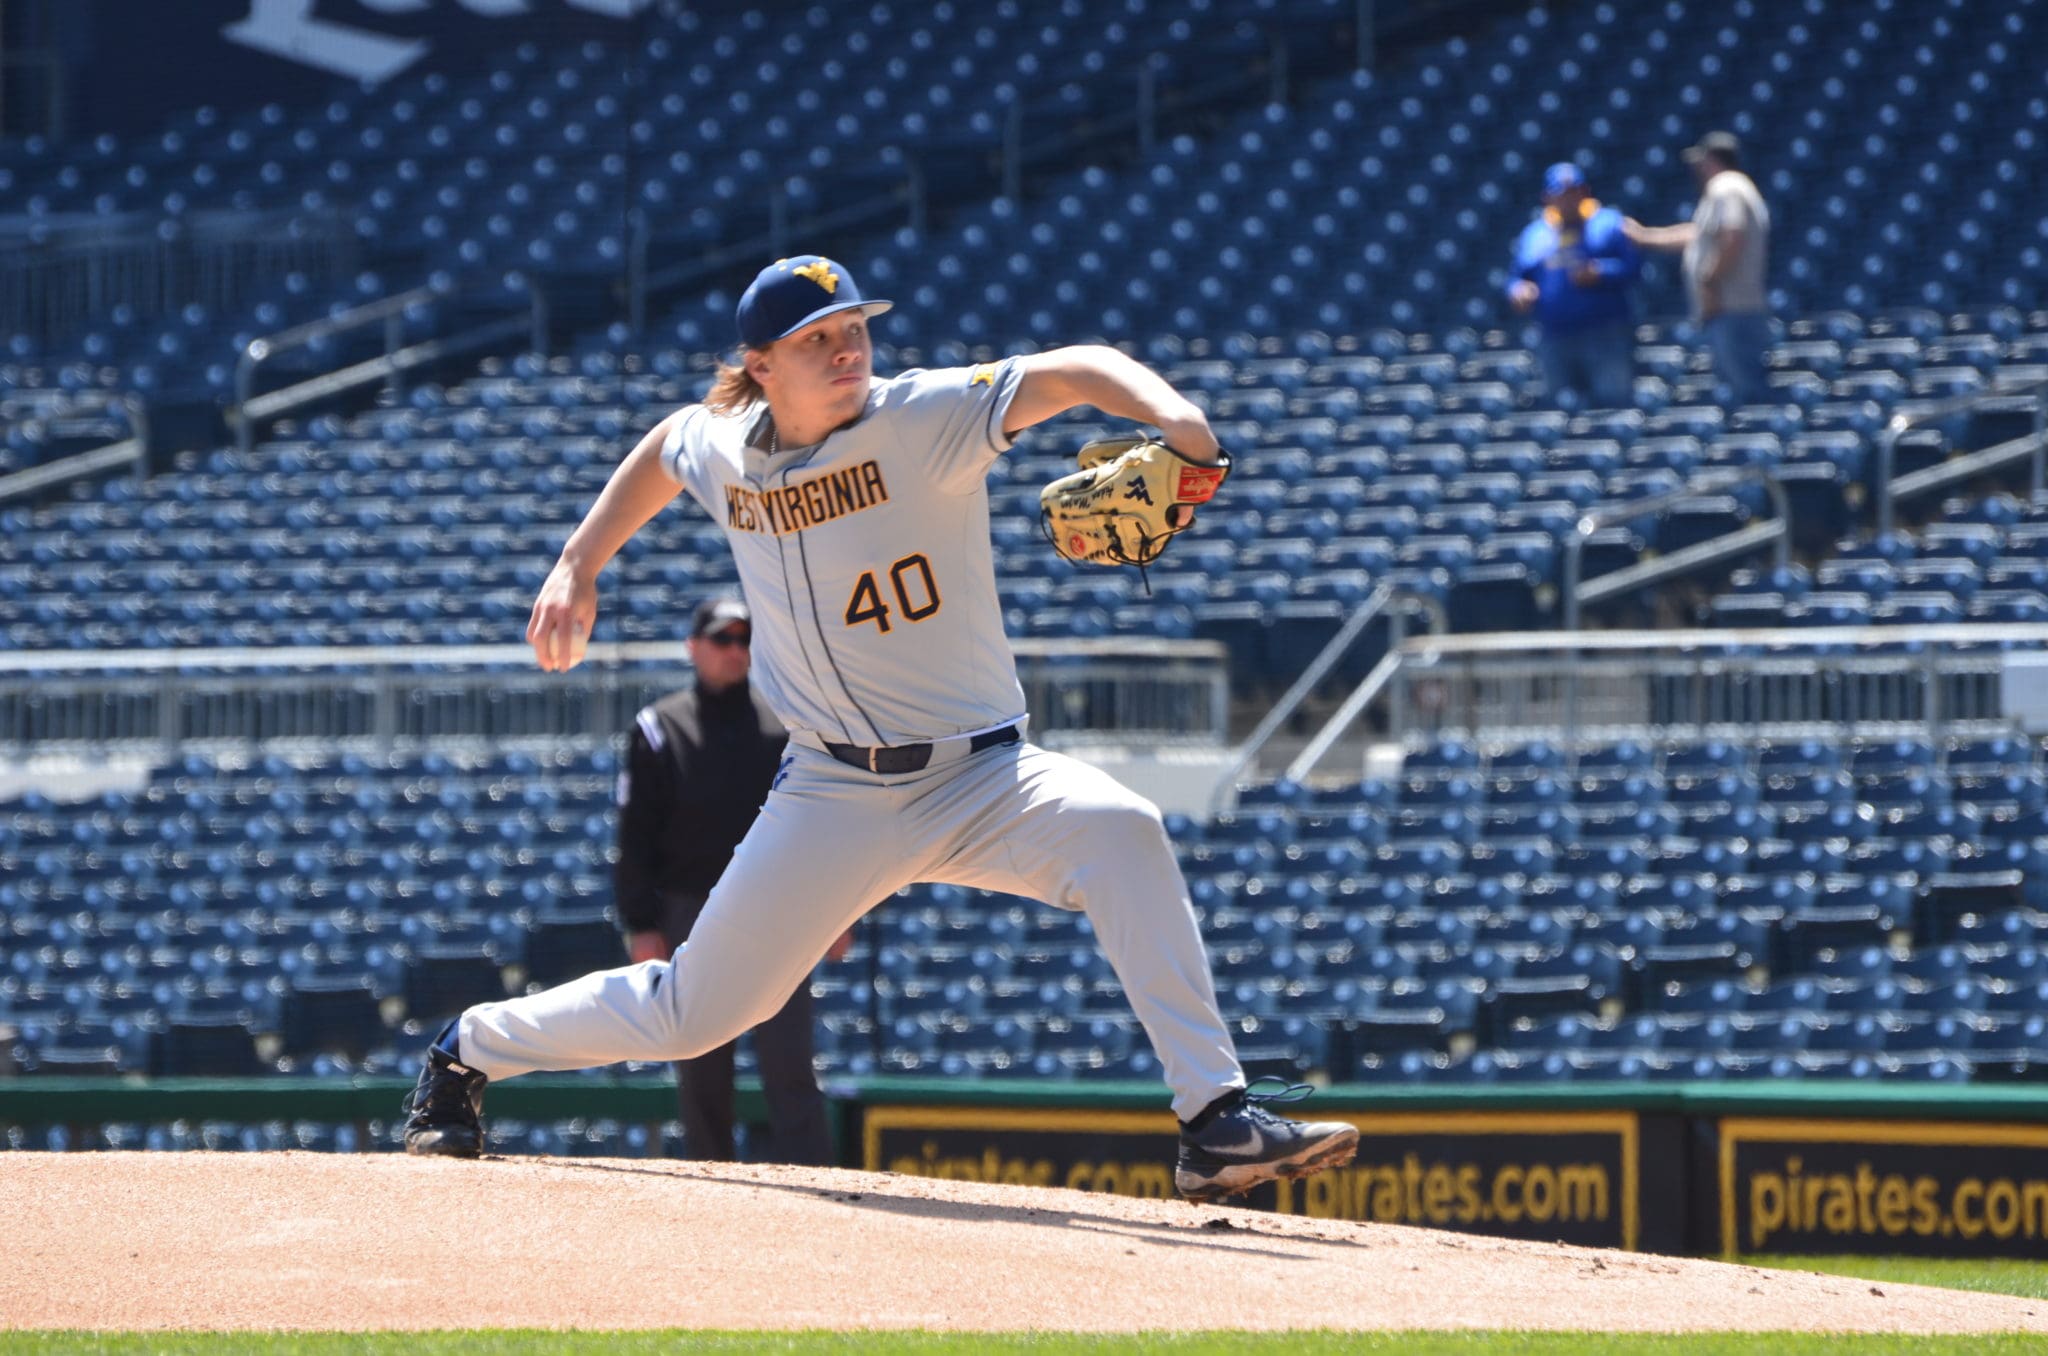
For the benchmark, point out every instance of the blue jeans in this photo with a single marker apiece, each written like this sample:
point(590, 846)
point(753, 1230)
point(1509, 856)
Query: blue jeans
point(1738, 340)
point(1598, 364)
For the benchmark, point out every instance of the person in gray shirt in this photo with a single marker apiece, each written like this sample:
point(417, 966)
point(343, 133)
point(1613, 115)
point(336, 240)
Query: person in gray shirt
point(1726, 251)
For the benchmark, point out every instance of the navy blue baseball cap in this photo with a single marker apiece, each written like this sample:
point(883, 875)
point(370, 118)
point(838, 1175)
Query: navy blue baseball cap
point(1562, 177)
point(791, 293)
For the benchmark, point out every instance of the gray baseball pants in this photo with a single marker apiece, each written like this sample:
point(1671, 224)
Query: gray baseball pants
point(831, 843)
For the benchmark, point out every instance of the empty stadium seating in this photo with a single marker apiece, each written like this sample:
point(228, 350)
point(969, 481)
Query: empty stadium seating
point(429, 524)
point(1980, 561)
point(1422, 454)
point(1324, 275)
point(1896, 160)
point(1706, 911)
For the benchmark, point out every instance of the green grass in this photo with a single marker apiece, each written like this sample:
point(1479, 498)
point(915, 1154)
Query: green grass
point(520, 1343)
point(2000, 1276)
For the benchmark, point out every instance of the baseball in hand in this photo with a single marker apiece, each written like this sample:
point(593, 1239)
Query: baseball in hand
point(579, 646)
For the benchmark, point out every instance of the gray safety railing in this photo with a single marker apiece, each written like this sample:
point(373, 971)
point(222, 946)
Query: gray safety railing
point(56, 287)
point(251, 410)
point(1777, 534)
point(131, 453)
point(1152, 691)
point(1958, 469)
point(1341, 721)
point(328, 696)
point(1394, 604)
point(1828, 682)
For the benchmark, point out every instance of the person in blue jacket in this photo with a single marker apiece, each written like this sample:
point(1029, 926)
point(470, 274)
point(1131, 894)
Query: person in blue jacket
point(1574, 269)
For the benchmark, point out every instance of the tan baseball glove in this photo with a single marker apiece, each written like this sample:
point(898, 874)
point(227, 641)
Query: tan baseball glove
point(1126, 502)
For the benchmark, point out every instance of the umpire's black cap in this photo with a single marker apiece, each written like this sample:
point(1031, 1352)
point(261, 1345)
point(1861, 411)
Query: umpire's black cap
point(716, 614)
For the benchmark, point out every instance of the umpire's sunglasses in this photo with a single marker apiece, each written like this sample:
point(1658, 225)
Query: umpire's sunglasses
point(729, 638)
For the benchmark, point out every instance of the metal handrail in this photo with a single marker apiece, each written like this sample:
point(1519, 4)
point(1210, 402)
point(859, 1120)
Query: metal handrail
point(386, 308)
point(1553, 658)
point(1152, 691)
point(601, 653)
point(1583, 530)
point(1552, 667)
point(1906, 421)
point(1433, 647)
point(132, 450)
point(251, 409)
point(74, 270)
point(308, 658)
point(1362, 616)
point(1342, 718)
point(1598, 519)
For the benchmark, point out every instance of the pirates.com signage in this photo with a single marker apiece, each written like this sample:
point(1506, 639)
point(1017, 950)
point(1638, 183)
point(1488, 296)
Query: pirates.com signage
point(1567, 1176)
point(1947, 1189)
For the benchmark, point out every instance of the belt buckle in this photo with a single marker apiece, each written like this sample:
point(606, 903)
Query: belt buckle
point(874, 760)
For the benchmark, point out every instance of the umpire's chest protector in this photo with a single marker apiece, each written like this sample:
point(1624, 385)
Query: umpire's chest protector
point(866, 558)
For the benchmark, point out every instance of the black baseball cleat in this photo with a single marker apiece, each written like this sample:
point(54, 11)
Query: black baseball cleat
point(444, 1110)
point(1236, 1144)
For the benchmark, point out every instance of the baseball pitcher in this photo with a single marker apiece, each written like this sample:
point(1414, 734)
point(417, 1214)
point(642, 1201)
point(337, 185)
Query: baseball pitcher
point(858, 513)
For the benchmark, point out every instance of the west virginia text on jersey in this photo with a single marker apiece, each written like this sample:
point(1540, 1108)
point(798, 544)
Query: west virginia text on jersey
point(805, 503)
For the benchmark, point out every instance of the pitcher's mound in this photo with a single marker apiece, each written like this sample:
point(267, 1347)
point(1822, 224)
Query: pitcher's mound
point(295, 1240)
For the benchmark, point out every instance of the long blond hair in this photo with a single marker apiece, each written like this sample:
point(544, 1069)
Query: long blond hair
point(732, 390)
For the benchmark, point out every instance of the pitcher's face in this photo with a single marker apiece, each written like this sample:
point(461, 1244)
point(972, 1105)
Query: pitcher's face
point(820, 374)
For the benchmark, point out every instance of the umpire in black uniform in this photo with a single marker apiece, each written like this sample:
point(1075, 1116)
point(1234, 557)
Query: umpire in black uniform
point(701, 763)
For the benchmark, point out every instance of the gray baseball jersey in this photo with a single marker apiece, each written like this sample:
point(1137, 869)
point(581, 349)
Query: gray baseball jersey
point(847, 547)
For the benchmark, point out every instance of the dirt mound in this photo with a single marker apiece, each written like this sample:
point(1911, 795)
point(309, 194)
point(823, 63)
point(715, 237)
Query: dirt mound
point(294, 1240)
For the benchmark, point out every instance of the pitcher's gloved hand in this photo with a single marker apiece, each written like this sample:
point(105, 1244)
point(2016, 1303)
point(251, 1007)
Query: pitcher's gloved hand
point(1131, 495)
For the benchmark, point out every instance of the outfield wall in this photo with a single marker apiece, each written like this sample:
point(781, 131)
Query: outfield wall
point(1698, 1168)
point(1687, 1168)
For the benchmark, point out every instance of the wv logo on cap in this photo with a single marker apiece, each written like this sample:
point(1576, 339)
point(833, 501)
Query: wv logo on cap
point(820, 272)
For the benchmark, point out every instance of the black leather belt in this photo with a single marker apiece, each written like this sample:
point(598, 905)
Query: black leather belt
point(901, 758)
